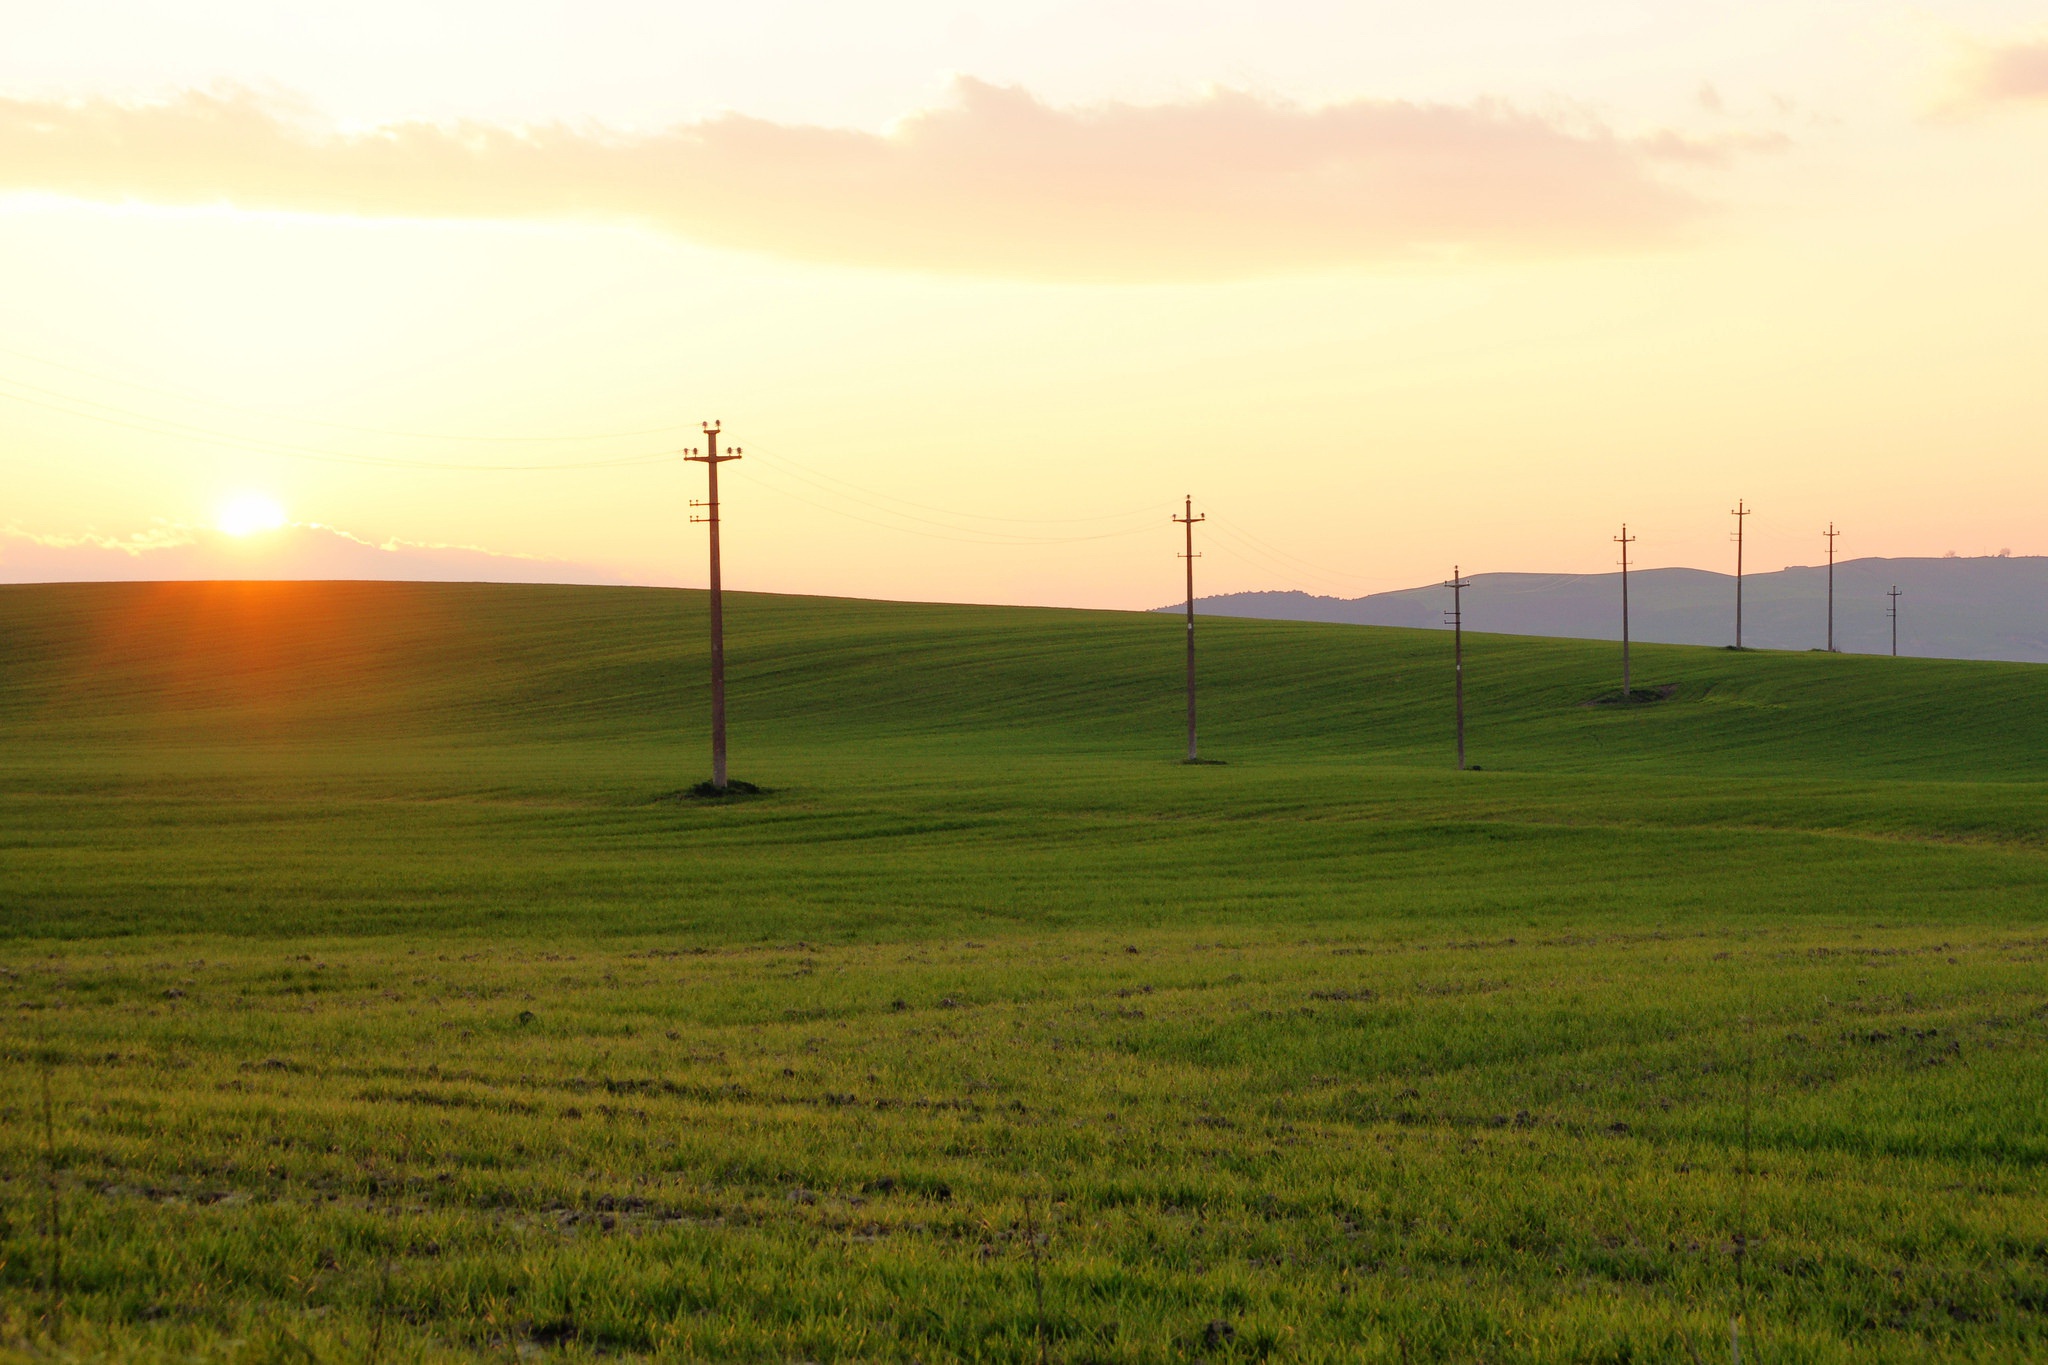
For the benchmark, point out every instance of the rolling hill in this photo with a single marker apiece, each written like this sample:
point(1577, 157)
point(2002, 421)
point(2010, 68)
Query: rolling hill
point(395, 1001)
point(276, 666)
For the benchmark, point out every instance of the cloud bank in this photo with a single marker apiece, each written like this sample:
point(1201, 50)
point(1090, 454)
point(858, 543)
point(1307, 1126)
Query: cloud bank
point(993, 183)
point(2008, 73)
point(292, 552)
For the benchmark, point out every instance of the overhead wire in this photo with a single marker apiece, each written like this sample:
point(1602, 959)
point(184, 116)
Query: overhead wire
point(846, 488)
point(1287, 579)
point(937, 530)
point(891, 512)
point(1222, 540)
point(1288, 576)
point(197, 401)
point(114, 415)
point(1274, 554)
point(777, 467)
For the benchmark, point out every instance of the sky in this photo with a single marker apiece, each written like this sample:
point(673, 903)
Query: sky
point(983, 291)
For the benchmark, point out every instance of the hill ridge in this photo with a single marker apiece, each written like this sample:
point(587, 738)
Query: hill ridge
point(237, 668)
point(1981, 607)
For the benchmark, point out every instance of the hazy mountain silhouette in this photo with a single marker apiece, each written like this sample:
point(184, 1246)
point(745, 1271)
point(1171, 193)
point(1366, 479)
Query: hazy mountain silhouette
point(298, 551)
point(1980, 608)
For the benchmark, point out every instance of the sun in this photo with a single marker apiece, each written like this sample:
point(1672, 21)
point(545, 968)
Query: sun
point(247, 513)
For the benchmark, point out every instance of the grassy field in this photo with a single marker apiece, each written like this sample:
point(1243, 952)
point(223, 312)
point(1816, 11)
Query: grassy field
point(392, 1004)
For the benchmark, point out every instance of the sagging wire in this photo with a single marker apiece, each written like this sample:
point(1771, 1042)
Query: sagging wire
point(1234, 544)
point(1276, 557)
point(112, 415)
point(932, 529)
point(925, 520)
point(1283, 577)
point(839, 487)
point(196, 401)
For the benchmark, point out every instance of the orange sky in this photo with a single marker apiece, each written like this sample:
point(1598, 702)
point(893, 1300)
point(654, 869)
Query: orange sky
point(982, 290)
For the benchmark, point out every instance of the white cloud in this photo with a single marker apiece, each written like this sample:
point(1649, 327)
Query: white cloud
point(994, 182)
point(2011, 73)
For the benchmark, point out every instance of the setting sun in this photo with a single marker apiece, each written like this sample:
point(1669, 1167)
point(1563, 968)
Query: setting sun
point(247, 513)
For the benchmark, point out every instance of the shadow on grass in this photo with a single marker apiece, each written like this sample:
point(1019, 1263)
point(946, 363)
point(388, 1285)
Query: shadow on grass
point(1635, 696)
point(705, 791)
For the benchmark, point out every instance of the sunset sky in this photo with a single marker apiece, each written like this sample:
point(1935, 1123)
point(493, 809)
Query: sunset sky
point(983, 289)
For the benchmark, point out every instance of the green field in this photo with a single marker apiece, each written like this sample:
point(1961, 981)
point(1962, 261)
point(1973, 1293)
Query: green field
point(394, 1005)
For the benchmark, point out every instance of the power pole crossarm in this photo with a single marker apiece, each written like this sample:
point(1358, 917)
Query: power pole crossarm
point(1188, 519)
point(711, 459)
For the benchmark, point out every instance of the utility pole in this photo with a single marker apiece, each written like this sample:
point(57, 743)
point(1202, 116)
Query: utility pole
point(1457, 585)
point(1739, 513)
point(1188, 520)
point(711, 460)
point(1893, 612)
point(1831, 533)
point(1624, 540)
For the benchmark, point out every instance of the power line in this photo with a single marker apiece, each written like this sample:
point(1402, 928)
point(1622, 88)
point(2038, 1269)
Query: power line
point(839, 487)
point(1239, 543)
point(129, 419)
point(1275, 550)
point(981, 534)
point(193, 399)
point(1268, 566)
point(972, 536)
point(942, 524)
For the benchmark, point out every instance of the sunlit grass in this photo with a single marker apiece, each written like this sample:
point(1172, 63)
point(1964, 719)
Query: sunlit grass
point(394, 1008)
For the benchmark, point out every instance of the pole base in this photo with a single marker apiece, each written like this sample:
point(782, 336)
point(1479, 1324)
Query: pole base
point(1637, 696)
point(733, 787)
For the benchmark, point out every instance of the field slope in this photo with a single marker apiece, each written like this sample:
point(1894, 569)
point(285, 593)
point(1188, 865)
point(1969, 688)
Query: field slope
point(395, 1002)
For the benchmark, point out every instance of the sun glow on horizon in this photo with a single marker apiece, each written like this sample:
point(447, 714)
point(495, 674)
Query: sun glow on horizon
point(246, 514)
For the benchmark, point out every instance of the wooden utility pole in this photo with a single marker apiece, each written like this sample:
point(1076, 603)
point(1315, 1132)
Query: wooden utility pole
point(711, 460)
point(1893, 612)
point(1624, 540)
point(1739, 513)
point(1831, 533)
point(1457, 585)
point(1188, 520)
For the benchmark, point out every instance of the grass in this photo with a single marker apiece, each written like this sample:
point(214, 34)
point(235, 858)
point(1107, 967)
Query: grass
point(399, 1008)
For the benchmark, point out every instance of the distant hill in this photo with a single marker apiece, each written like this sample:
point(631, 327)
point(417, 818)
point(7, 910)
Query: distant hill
point(1979, 608)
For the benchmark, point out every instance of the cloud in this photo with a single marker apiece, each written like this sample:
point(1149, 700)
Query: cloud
point(2002, 73)
point(992, 183)
point(1717, 150)
point(293, 552)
